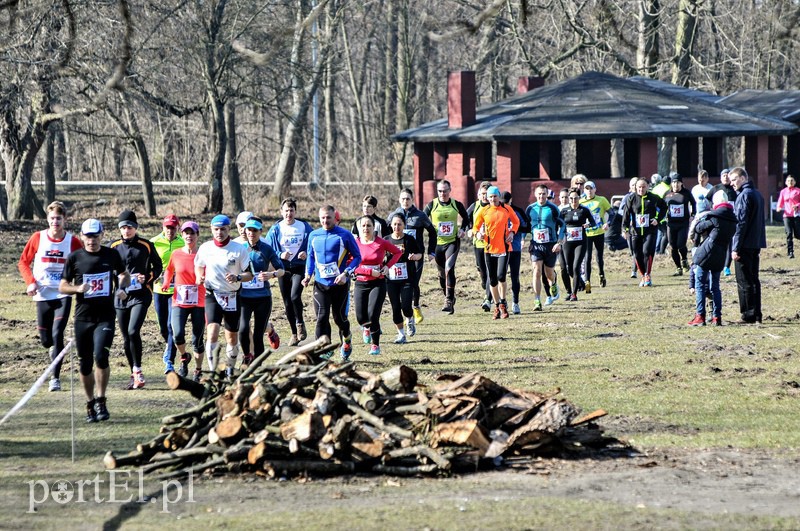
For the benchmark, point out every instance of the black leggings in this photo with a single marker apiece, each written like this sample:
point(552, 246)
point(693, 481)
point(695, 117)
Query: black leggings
point(514, 261)
point(496, 267)
point(331, 301)
point(644, 248)
point(598, 242)
point(93, 343)
point(792, 228)
point(677, 236)
point(179, 317)
point(483, 270)
point(51, 321)
point(400, 296)
point(130, 325)
point(368, 299)
point(415, 272)
point(260, 309)
point(573, 255)
point(446, 256)
point(292, 295)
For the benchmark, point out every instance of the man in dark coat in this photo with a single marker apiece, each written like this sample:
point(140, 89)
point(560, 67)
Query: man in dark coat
point(749, 239)
point(717, 226)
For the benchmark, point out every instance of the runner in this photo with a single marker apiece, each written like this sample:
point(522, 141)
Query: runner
point(241, 221)
point(681, 208)
point(97, 276)
point(661, 188)
point(614, 239)
point(400, 286)
point(417, 223)
point(444, 213)
point(167, 241)
point(701, 191)
point(41, 265)
point(578, 219)
point(188, 299)
point(478, 244)
point(330, 248)
point(547, 229)
point(498, 223)
point(368, 206)
point(789, 204)
point(515, 254)
point(623, 215)
point(289, 238)
point(144, 265)
point(596, 235)
point(221, 265)
point(256, 295)
point(643, 212)
point(370, 287)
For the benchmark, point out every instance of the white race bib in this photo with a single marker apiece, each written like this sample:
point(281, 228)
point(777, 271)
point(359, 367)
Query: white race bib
point(253, 284)
point(226, 300)
point(135, 284)
point(642, 220)
point(329, 270)
point(186, 295)
point(541, 235)
point(574, 234)
point(51, 277)
point(676, 211)
point(99, 285)
point(597, 218)
point(497, 255)
point(399, 271)
point(445, 228)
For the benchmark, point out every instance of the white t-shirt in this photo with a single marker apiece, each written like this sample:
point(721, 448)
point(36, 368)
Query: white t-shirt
point(291, 237)
point(233, 258)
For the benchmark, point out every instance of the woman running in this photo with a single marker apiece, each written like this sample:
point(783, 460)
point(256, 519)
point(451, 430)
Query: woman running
point(578, 218)
point(401, 277)
point(789, 204)
point(370, 290)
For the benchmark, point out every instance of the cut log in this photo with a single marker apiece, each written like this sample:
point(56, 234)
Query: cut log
point(279, 468)
point(589, 417)
point(178, 383)
point(368, 441)
point(365, 400)
point(467, 432)
point(305, 427)
point(230, 428)
point(112, 461)
point(257, 453)
point(178, 438)
point(399, 379)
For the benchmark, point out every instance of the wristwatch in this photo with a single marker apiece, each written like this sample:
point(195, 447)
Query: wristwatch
point(238, 278)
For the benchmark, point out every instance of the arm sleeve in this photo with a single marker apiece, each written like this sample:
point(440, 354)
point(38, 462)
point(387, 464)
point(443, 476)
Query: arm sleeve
point(512, 216)
point(155, 261)
point(476, 226)
point(352, 247)
point(781, 201)
point(26, 258)
point(463, 213)
point(393, 250)
point(431, 235)
point(310, 258)
point(169, 271)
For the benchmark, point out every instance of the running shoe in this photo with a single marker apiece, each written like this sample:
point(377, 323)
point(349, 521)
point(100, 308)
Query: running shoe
point(301, 331)
point(647, 281)
point(496, 313)
point(347, 349)
point(685, 264)
point(678, 272)
point(138, 379)
point(572, 298)
point(183, 370)
point(55, 384)
point(197, 375)
point(549, 301)
point(411, 326)
point(400, 339)
point(486, 305)
point(448, 308)
point(555, 292)
point(503, 310)
point(588, 287)
point(418, 317)
point(716, 321)
point(274, 339)
point(293, 341)
point(366, 335)
point(602, 281)
point(726, 271)
point(375, 350)
point(537, 305)
point(641, 283)
point(633, 274)
point(131, 383)
point(91, 414)
point(515, 307)
point(791, 255)
point(699, 320)
point(100, 409)
point(247, 359)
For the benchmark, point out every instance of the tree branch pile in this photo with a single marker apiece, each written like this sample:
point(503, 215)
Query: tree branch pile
point(302, 415)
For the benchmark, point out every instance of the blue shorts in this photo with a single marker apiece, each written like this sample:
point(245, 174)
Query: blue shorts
point(543, 252)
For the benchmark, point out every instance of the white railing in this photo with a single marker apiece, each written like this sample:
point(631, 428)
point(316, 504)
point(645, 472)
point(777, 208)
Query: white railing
point(167, 184)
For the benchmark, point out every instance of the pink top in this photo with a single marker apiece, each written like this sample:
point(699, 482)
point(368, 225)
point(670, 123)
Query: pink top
point(789, 202)
point(180, 272)
point(372, 255)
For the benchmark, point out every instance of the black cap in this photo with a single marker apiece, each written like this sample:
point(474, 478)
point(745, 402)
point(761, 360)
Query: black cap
point(127, 217)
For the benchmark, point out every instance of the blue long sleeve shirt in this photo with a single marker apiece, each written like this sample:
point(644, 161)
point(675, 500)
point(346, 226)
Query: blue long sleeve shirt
point(331, 252)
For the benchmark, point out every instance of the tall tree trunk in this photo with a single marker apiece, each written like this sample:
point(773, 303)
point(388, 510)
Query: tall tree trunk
point(49, 168)
point(390, 69)
point(232, 158)
point(216, 169)
point(142, 157)
point(648, 49)
point(684, 42)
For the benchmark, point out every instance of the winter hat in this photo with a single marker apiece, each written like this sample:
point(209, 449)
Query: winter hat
point(493, 190)
point(127, 218)
point(719, 197)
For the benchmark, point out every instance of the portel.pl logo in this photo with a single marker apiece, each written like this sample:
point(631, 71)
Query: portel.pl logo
point(119, 487)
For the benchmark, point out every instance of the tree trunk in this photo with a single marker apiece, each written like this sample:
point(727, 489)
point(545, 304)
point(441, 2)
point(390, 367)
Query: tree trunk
point(49, 168)
point(216, 169)
point(647, 52)
point(684, 42)
point(143, 158)
point(390, 69)
point(232, 158)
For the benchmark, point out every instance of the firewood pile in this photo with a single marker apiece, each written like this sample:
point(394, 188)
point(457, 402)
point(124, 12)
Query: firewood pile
point(303, 415)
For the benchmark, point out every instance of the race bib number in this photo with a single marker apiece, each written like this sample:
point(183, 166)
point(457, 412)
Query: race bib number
point(597, 218)
point(51, 277)
point(135, 284)
point(329, 270)
point(226, 300)
point(497, 255)
point(410, 232)
point(253, 284)
point(574, 234)
point(291, 243)
point(541, 235)
point(399, 271)
point(676, 211)
point(445, 228)
point(186, 295)
point(642, 220)
point(99, 285)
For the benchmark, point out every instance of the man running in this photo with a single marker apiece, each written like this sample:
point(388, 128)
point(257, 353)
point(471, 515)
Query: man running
point(41, 266)
point(547, 229)
point(221, 265)
point(479, 245)
point(643, 212)
point(681, 208)
point(97, 276)
point(498, 223)
point(444, 213)
point(333, 255)
point(167, 241)
point(595, 235)
point(515, 254)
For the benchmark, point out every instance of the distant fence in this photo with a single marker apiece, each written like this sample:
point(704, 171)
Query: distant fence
point(168, 184)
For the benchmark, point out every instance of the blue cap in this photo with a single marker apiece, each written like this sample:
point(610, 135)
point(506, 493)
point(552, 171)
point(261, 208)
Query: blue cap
point(493, 190)
point(253, 223)
point(91, 226)
point(220, 220)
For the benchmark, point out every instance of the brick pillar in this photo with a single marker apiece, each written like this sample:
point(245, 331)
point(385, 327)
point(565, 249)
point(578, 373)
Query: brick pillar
point(713, 156)
point(439, 160)
point(461, 99)
point(688, 157)
point(760, 162)
point(648, 157)
point(507, 164)
point(593, 158)
point(423, 172)
point(457, 168)
point(528, 83)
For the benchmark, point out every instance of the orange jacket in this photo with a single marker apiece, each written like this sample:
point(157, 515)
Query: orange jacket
point(498, 222)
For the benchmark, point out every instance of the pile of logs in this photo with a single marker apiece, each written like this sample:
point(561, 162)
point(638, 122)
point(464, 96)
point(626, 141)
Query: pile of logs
point(304, 415)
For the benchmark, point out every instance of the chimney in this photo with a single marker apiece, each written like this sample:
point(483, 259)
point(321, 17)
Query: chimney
point(460, 99)
point(528, 83)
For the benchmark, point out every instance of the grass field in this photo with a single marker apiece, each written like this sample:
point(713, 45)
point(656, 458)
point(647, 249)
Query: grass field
point(667, 387)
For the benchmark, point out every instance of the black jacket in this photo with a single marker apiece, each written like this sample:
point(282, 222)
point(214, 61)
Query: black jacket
point(749, 211)
point(717, 226)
